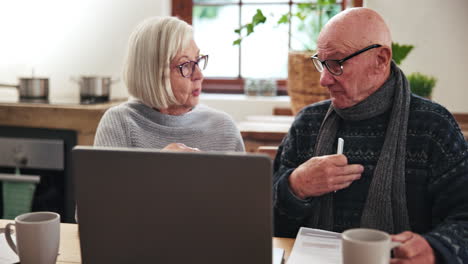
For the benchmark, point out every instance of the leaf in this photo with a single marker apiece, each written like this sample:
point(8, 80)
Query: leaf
point(258, 18)
point(284, 19)
point(301, 16)
point(238, 30)
point(325, 2)
point(237, 41)
point(400, 52)
point(250, 28)
point(306, 7)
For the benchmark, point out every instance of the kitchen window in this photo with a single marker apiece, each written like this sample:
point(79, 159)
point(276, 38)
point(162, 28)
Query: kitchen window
point(261, 55)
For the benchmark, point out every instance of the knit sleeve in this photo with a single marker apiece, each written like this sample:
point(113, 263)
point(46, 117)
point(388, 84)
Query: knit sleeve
point(112, 130)
point(289, 210)
point(240, 147)
point(230, 138)
point(239, 142)
point(448, 186)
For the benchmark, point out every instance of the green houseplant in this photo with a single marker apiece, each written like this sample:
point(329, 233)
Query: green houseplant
point(308, 19)
point(420, 84)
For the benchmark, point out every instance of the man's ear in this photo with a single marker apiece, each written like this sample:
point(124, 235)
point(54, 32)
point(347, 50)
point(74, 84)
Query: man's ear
point(384, 56)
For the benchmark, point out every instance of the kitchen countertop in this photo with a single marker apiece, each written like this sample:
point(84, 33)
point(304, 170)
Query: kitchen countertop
point(64, 114)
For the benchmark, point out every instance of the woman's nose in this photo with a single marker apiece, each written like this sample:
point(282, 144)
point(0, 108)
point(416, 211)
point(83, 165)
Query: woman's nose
point(197, 73)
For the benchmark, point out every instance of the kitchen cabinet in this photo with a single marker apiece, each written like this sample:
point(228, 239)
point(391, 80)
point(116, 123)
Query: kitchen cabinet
point(83, 119)
point(38, 138)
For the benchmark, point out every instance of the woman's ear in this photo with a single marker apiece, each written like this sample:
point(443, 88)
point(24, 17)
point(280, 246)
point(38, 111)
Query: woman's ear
point(384, 56)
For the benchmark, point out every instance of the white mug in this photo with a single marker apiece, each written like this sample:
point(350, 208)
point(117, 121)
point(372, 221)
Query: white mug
point(37, 237)
point(366, 246)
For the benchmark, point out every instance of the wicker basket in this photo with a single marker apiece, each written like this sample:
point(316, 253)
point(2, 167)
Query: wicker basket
point(303, 81)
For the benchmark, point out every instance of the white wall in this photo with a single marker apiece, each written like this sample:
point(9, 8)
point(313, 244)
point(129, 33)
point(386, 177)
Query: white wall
point(60, 39)
point(438, 30)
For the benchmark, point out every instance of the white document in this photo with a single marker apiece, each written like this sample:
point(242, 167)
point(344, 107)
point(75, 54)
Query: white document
point(315, 246)
point(7, 256)
point(278, 254)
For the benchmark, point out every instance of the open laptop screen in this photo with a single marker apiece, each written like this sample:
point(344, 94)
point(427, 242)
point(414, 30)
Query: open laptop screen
point(150, 206)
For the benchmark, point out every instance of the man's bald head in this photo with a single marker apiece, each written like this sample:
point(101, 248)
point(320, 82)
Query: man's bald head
point(361, 75)
point(355, 28)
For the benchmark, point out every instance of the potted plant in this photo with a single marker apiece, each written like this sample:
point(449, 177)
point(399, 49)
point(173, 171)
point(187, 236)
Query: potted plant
point(420, 84)
point(303, 80)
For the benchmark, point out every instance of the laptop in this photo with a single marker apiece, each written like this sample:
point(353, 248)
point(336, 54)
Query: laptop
point(151, 206)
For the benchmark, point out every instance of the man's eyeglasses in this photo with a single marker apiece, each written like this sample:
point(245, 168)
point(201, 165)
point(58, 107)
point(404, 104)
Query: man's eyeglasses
point(187, 68)
point(335, 67)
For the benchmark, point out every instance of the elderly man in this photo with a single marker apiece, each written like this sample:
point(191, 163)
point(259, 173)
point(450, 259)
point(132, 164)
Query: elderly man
point(404, 168)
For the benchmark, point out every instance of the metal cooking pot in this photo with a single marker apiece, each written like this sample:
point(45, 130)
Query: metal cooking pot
point(31, 88)
point(94, 89)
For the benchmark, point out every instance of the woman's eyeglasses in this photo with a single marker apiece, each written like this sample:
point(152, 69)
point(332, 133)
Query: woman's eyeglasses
point(187, 68)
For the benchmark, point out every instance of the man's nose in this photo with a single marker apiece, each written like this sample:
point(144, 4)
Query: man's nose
point(326, 78)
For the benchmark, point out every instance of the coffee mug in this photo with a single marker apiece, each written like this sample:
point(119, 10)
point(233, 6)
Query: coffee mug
point(366, 246)
point(37, 237)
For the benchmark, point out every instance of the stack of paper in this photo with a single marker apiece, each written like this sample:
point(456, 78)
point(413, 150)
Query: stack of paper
point(6, 254)
point(315, 246)
point(278, 254)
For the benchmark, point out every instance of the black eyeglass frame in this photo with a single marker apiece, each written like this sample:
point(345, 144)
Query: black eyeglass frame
point(340, 62)
point(195, 63)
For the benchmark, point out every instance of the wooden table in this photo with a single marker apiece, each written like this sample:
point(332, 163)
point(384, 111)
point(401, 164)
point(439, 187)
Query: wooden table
point(70, 243)
point(265, 130)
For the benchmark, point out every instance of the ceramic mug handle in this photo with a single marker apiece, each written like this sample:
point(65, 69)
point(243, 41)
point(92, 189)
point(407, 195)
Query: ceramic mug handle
point(8, 233)
point(394, 244)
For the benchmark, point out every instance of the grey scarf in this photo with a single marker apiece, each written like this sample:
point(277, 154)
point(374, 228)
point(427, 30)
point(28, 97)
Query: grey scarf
point(385, 208)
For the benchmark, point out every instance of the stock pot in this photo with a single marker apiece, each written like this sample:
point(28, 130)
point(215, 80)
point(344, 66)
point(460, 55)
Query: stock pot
point(31, 88)
point(94, 89)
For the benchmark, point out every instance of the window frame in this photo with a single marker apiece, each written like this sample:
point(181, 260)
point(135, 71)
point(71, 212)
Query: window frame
point(184, 9)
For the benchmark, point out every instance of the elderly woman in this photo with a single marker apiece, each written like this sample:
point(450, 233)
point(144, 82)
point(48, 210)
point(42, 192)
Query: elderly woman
point(163, 75)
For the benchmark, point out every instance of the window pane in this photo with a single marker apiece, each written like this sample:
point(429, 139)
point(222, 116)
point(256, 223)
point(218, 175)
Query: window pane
point(305, 32)
point(264, 1)
point(265, 52)
point(214, 33)
point(214, 1)
point(315, 1)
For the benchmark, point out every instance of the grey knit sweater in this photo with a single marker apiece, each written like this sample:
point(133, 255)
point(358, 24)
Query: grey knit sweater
point(134, 124)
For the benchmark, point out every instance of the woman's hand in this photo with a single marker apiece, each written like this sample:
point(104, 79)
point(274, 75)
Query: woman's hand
point(180, 148)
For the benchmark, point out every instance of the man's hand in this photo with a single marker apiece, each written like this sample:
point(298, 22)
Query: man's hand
point(413, 250)
point(324, 174)
point(180, 148)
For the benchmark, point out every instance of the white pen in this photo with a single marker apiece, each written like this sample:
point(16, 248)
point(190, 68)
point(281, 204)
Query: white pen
point(339, 149)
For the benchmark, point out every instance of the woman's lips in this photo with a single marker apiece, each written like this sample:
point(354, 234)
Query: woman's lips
point(196, 92)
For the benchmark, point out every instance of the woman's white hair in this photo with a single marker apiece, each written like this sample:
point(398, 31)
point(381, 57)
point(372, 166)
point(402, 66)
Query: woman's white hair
point(152, 46)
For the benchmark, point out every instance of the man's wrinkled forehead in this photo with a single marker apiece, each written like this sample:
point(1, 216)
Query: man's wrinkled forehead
point(333, 48)
point(354, 29)
point(339, 38)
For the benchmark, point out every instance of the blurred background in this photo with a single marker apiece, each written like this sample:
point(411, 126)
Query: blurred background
point(60, 39)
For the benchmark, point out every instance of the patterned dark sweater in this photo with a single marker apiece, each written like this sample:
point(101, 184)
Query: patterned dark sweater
point(436, 175)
